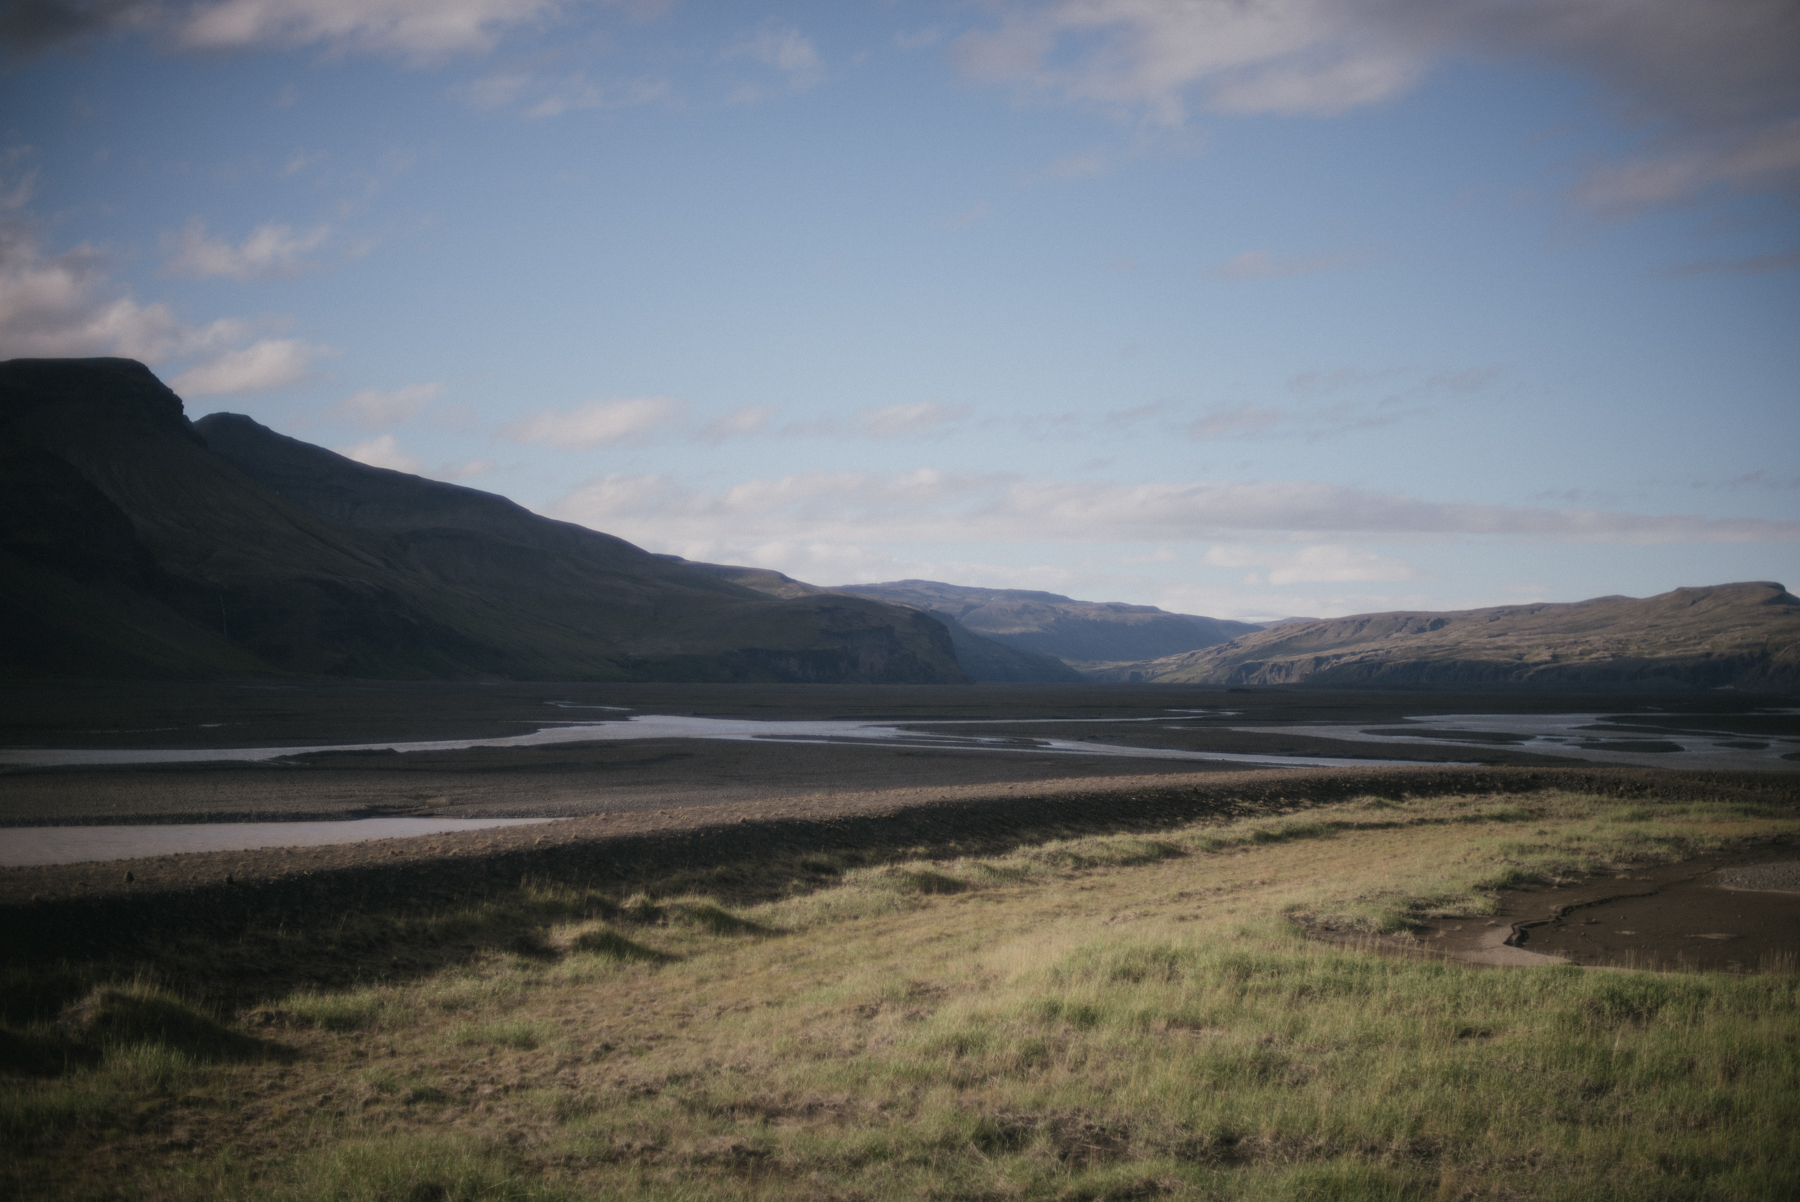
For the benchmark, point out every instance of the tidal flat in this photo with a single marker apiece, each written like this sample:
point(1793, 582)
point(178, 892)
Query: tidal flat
point(936, 976)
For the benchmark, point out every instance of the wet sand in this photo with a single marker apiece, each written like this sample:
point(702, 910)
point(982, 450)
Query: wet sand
point(1732, 911)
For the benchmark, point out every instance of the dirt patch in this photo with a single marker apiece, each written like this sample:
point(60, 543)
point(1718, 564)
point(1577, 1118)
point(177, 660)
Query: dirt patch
point(1736, 911)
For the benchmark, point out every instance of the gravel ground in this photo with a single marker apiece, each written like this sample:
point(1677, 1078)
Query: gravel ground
point(1782, 877)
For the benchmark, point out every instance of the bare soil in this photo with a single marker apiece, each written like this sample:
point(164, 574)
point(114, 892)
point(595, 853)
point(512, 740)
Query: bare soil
point(1737, 910)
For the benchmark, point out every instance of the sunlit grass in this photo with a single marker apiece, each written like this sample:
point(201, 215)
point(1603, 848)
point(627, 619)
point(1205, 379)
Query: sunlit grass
point(1106, 1017)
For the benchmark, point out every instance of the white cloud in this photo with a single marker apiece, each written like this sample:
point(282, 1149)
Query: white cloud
point(929, 506)
point(1311, 424)
point(739, 423)
point(1713, 84)
point(596, 422)
point(577, 92)
point(453, 472)
point(418, 29)
point(301, 160)
point(265, 364)
point(371, 407)
point(1282, 56)
point(1227, 423)
point(785, 49)
point(1320, 563)
point(889, 421)
point(894, 421)
point(270, 252)
point(551, 97)
point(381, 451)
point(54, 306)
point(1762, 160)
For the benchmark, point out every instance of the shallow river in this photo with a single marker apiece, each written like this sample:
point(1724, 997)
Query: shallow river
point(672, 726)
point(1593, 737)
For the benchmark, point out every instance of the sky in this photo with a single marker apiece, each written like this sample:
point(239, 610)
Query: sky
point(1246, 308)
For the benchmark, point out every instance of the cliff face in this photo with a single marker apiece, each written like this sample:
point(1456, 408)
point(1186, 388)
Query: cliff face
point(1743, 635)
point(135, 543)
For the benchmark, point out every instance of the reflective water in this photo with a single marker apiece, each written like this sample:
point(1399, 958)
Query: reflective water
point(23, 845)
point(671, 726)
point(1595, 738)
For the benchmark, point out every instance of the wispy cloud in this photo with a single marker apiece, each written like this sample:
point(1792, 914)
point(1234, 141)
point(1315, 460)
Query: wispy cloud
point(895, 421)
point(381, 451)
point(271, 251)
point(597, 422)
point(552, 96)
point(742, 422)
point(1320, 563)
point(301, 160)
point(889, 421)
point(931, 506)
point(266, 364)
point(374, 408)
point(782, 48)
point(1714, 84)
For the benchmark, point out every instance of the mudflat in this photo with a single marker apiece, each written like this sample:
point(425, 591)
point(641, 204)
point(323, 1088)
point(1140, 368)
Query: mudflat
point(1731, 910)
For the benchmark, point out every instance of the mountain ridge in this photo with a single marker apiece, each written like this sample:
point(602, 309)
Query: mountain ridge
point(1739, 635)
point(132, 546)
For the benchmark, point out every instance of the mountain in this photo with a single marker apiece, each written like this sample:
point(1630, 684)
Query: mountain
point(135, 543)
point(1729, 635)
point(1076, 632)
point(983, 659)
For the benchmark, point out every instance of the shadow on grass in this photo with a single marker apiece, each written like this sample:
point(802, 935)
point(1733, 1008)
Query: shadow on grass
point(614, 946)
point(128, 1022)
point(239, 945)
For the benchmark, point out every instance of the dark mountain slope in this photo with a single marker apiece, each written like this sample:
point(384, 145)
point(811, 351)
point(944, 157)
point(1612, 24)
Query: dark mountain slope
point(1739, 635)
point(133, 547)
point(663, 616)
point(983, 659)
point(132, 524)
point(1050, 624)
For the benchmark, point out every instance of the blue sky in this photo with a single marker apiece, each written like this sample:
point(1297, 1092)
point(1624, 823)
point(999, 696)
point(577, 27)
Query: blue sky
point(1249, 308)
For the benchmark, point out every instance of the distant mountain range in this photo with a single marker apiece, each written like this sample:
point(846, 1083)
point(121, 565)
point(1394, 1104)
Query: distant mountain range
point(984, 659)
point(1081, 633)
point(136, 543)
point(1730, 635)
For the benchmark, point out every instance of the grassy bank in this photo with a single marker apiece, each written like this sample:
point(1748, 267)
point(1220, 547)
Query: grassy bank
point(1109, 1017)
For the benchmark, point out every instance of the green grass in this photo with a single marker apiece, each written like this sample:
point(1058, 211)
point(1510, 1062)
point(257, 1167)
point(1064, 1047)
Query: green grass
point(1099, 1018)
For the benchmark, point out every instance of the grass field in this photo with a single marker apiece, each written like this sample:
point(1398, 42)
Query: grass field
point(1112, 1017)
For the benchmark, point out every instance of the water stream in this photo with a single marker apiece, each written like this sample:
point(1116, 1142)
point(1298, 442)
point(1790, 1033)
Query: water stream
point(1597, 738)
